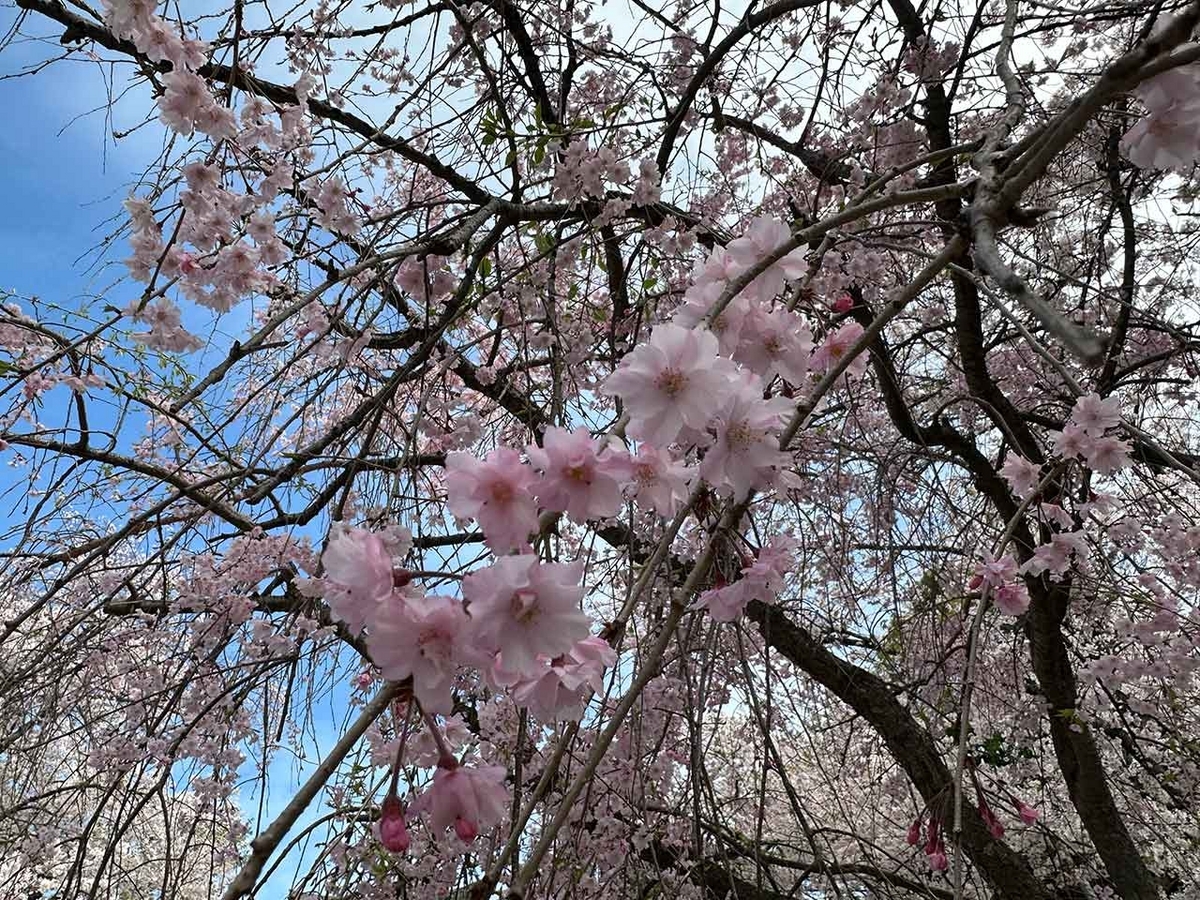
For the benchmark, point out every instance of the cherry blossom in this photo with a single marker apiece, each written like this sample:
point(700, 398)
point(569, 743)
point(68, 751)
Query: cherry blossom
point(746, 453)
point(657, 481)
point(457, 285)
point(775, 342)
point(994, 572)
point(393, 833)
point(1095, 415)
point(835, 347)
point(994, 826)
point(1072, 441)
point(425, 638)
point(526, 608)
point(1106, 454)
point(1169, 136)
point(467, 799)
point(1021, 474)
point(729, 323)
point(578, 476)
point(673, 381)
point(497, 492)
point(1011, 597)
point(1055, 557)
point(913, 837)
point(356, 562)
point(561, 689)
point(424, 748)
point(766, 235)
point(760, 581)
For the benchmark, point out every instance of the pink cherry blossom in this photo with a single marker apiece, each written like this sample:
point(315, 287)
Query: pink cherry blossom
point(729, 323)
point(1163, 140)
point(913, 837)
point(497, 492)
point(760, 581)
point(184, 100)
point(935, 847)
point(674, 380)
point(724, 603)
point(995, 572)
point(1107, 454)
point(1169, 136)
point(1055, 557)
point(1072, 442)
point(775, 342)
point(765, 235)
point(1021, 475)
point(578, 477)
point(423, 748)
point(526, 608)
point(658, 482)
point(1028, 814)
point(994, 826)
point(467, 799)
point(1012, 597)
point(746, 453)
point(426, 638)
point(357, 562)
point(1094, 415)
point(835, 347)
point(561, 690)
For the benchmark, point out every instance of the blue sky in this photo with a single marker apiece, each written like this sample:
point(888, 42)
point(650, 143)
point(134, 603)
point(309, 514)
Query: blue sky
point(64, 179)
point(63, 175)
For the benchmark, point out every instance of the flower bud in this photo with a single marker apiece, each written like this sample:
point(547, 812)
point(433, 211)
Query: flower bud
point(914, 834)
point(466, 829)
point(989, 819)
point(393, 833)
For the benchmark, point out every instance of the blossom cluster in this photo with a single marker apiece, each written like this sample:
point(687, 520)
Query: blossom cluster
point(934, 831)
point(518, 623)
point(186, 104)
point(1168, 137)
point(1086, 435)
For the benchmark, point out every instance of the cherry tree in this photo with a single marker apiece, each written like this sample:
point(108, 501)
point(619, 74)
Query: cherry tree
point(614, 449)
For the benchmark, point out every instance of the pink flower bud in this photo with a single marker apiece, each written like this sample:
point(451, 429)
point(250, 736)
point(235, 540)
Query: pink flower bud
point(401, 577)
point(989, 819)
point(975, 583)
point(466, 829)
point(843, 304)
point(938, 861)
point(392, 832)
point(1028, 814)
point(914, 834)
point(933, 842)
